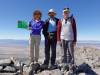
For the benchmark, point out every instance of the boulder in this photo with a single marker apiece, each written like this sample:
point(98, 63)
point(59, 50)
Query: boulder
point(56, 72)
point(46, 72)
point(82, 74)
point(51, 72)
point(96, 64)
point(6, 62)
point(7, 73)
point(26, 70)
point(9, 69)
point(1, 67)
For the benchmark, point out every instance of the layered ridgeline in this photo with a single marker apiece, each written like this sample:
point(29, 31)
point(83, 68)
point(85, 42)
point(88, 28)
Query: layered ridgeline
point(87, 57)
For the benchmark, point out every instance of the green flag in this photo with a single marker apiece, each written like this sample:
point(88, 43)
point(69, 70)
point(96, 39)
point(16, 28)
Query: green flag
point(22, 24)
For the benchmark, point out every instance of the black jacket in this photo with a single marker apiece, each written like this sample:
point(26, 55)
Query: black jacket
point(46, 25)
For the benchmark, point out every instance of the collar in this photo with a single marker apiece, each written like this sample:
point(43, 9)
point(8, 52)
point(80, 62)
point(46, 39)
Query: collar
point(51, 18)
point(36, 20)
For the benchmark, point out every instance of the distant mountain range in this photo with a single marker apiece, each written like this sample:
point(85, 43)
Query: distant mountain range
point(88, 41)
point(26, 42)
point(13, 42)
point(9, 40)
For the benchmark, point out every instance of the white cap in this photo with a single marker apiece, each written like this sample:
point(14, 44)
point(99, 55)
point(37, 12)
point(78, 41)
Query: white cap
point(66, 10)
point(51, 10)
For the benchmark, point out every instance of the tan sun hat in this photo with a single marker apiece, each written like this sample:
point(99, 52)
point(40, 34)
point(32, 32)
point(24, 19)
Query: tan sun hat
point(66, 10)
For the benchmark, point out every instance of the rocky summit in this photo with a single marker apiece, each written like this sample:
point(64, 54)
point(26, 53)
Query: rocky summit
point(87, 62)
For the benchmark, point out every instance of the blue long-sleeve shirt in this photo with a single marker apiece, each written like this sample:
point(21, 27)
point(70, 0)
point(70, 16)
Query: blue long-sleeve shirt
point(52, 25)
point(36, 27)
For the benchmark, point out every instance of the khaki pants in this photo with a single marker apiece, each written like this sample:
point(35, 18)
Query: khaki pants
point(34, 47)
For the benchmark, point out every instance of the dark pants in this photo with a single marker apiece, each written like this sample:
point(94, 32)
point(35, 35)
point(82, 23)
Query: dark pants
point(68, 52)
point(50, 43)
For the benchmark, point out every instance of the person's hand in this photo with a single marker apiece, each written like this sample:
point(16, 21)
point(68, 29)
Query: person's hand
point(59, 43)
point(74, 43)
point(48, 37)
point(29, 28)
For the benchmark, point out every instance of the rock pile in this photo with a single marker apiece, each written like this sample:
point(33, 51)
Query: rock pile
point(10, 67)
point(87, 63)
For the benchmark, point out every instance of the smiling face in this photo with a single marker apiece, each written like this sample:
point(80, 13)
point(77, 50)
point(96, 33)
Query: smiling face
point(52, 14)
point(37, 15)
point(65, 14)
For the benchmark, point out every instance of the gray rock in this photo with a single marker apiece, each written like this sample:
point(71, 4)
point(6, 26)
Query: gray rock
point(46, 72)
point(51, 72)
point(9, 69)
point(7, 73)
point(96, 64)
point(1, 67)
point(82, 74)
point(26, 70)
point(56, 72)
point(5, 62)
point(85, 74)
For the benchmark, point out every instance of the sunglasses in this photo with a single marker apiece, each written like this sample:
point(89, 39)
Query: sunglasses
point(66, 12)
point(51, 13)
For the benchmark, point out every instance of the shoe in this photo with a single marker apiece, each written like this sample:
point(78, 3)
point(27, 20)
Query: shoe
point(30, 71)
point(65, 67)
point(44, 66)
point(73, 69)
point(52, 67)
point(36, 67)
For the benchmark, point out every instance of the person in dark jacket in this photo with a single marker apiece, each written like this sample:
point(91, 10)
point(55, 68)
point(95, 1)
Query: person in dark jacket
point(50, 34)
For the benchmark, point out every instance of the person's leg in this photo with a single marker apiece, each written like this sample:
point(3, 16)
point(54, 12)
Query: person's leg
point(65, 65)
point(71, 52)
point(37, 45)
point(53, 51)
point(64, 48)
point(71, 57)
point(31, 45)
point(47, 51)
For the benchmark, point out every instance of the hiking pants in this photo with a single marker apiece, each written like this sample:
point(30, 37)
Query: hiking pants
point(68, 52)
point(34, 47)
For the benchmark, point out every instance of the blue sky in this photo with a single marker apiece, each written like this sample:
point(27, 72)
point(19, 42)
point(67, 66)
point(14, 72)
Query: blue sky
point(86, 13)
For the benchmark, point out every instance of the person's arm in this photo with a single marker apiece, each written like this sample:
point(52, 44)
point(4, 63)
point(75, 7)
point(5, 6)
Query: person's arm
point(59, 30)
point(45, 27)
point(74, 30)
point(30, 26)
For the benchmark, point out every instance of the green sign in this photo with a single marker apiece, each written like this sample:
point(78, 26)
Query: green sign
point(22, 24)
